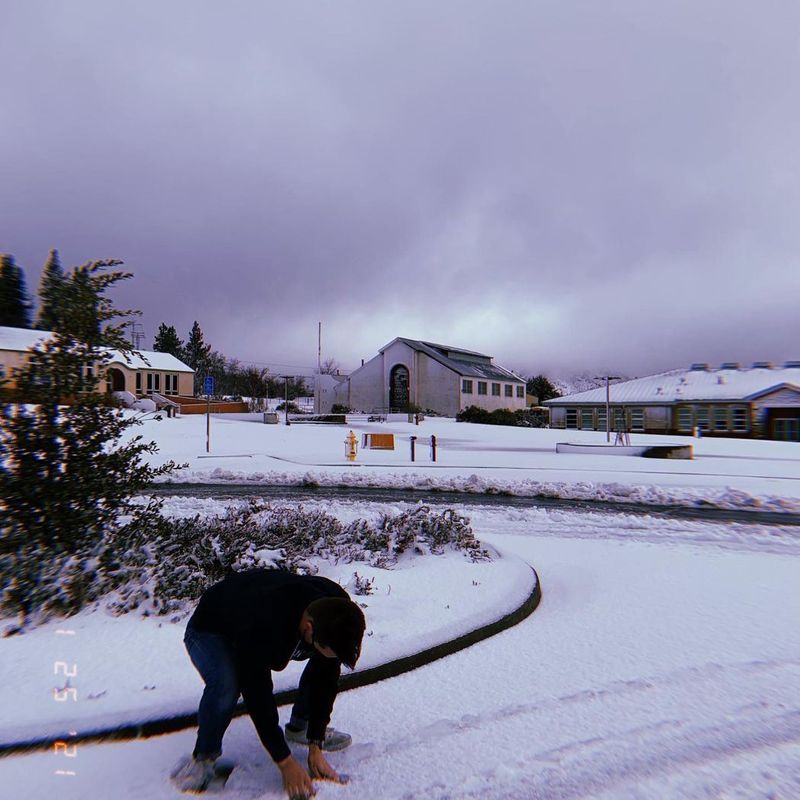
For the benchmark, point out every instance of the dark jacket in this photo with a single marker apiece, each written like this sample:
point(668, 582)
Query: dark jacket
point(258, 613)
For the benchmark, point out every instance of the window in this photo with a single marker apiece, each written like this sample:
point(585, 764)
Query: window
point(637, 419)
point(720, 419)
point(587, 419)
point(157, 381)
point(572, 417)
point(2, 370)
point(509, 390)
point(466, 386)
point(481, 387)
point(138, 383)
point(149, 383)
point(602, 419)
point(787, 429)
point(495, 390)
point(739, 420)
point(170, 384)
point(520, 391)
point(619, 419)
point(701, 419)
point(685, 419)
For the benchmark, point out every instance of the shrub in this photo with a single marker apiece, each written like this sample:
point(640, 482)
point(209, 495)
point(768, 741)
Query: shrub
point(500, 416)
point(181, 558)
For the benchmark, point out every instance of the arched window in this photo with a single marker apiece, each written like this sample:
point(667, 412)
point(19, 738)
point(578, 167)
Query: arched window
point(398, 387)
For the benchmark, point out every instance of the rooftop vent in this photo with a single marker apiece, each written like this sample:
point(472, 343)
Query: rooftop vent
point(699, 367)
point(762, 365)
point(792, 365)
point(730, 365)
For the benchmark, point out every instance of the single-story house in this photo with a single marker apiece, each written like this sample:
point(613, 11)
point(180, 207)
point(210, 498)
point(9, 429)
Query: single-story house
point(758, 401)
point(409, 373)
point(141, 373)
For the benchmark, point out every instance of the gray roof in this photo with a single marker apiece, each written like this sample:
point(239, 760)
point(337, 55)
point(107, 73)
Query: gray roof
point(466, 368)
point(728, 383)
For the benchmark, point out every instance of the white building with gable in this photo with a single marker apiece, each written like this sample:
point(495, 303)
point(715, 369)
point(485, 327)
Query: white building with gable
point(410, 373)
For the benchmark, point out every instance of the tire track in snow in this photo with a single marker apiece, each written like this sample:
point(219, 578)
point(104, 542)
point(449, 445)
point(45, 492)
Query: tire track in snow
point(609, 757)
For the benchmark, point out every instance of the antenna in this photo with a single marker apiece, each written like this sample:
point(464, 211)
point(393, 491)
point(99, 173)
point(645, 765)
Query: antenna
point(137, 334)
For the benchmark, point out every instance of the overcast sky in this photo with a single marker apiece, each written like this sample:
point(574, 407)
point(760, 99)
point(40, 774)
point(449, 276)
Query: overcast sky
point(567, 186)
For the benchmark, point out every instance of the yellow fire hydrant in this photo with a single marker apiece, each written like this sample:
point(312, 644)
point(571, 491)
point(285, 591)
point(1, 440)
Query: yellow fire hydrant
point(351, 446)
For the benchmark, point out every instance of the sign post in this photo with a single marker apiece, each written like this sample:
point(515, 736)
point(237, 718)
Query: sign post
point(208, 390)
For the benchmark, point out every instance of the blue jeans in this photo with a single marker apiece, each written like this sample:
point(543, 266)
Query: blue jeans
point(213, 659)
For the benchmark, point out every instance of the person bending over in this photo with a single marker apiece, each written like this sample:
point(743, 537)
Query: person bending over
point(257, 621)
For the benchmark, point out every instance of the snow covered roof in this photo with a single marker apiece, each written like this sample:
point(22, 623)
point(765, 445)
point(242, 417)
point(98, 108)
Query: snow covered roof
point(148, 359)
point(22, 339)
point(729, 382)
point(466, 363)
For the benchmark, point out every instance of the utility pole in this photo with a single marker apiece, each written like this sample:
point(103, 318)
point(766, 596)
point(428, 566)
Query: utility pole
point(607, 379)
point(286, 397)
point(318, 393)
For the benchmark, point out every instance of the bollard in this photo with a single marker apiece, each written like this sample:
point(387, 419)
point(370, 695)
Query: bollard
point(413, 445)
point(433, 448)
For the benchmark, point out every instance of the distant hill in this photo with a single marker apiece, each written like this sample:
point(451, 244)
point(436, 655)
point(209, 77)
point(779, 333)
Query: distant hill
point(580, 383)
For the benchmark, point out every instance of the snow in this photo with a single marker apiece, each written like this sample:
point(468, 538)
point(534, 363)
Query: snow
point(691, 384)
point(663, 662)
point(725, 473)
point(159, 680)
point(22, 339)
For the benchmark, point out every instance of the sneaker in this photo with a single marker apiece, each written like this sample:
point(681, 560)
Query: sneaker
point(334, 740)
point(193, 774)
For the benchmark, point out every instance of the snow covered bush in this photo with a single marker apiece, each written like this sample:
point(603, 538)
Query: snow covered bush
point(181, 558)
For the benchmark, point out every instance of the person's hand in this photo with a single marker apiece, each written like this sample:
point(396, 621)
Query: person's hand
point(318, 766)
point(296, 780)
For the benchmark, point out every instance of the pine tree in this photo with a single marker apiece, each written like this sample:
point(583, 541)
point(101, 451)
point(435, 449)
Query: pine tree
point(49, 288)
point(15, 307)
point(198, 354)
point(541, 387)
point(168, 341)
point(66, 476)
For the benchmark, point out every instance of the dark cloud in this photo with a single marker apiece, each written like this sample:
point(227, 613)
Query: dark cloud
point(566, 185)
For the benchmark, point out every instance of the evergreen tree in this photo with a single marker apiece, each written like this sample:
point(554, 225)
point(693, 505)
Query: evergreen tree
point(66, 476)
point(15, 306)
point(168, 341)
point(198, 354)
point(49, 289)
point(541, 387)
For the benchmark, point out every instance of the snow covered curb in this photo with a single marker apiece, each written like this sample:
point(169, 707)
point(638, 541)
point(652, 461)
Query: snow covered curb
point(513, 593)
point(639, 494)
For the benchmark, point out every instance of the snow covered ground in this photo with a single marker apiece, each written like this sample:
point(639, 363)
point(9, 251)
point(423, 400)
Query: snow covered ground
point(726, 473)
point(663, 662)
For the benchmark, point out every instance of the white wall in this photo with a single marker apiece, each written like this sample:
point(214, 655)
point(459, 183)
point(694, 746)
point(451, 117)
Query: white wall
point(366, 388)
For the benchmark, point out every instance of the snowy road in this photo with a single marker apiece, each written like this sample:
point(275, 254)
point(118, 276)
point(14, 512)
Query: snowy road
point(663, 662)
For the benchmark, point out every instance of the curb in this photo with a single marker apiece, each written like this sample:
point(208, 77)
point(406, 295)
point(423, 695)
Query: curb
point(352, 680)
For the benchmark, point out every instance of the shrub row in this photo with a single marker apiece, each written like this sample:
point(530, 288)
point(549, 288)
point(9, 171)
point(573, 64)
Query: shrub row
point(165, 570)
point(522, 417)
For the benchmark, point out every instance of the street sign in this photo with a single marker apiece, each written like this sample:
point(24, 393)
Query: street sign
point(208, 385)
